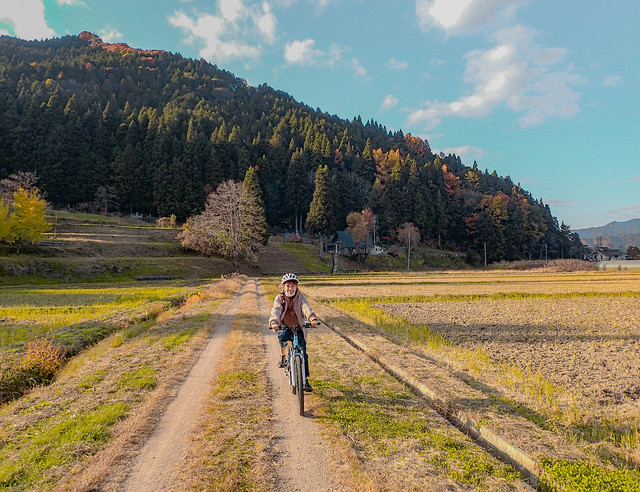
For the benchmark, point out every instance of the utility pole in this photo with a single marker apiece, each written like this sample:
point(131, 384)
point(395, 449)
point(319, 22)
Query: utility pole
point(409, 252)
point(485, 253)
point(545, 252)
point(375, 222)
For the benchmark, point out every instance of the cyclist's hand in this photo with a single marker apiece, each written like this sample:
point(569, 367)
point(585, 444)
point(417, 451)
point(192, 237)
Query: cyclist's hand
point(315, 322)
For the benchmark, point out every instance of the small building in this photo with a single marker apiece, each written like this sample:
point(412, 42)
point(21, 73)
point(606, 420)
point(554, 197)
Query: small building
point(343, 243)
point(606, 254)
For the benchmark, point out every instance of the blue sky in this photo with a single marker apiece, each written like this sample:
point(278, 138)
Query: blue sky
point(543, 91)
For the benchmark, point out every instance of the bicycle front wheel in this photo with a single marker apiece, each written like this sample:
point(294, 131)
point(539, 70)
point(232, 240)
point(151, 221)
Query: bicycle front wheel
point(300, 385)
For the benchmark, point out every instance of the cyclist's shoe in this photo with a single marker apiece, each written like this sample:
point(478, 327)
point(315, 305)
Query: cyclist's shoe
point(282, 362)
point(307, 387)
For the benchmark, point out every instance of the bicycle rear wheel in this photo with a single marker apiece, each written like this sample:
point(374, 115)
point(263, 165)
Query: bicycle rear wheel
point(300, 385)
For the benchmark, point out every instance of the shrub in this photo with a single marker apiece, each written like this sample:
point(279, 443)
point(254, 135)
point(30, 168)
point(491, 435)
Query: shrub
point(42, 359)
point(568, 265)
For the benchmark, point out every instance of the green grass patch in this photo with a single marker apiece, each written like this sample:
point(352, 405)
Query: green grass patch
point(174, 340)
point(89, 314)
point(40, 270)
point(308, 256)
point(56, 443)
point(578, 476)
point(384, 419)
point(92, 380)
point(142, 379)
point(498, 296)
point(30, 312)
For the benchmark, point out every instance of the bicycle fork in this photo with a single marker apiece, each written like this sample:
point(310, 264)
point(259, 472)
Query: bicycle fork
point(291, 368)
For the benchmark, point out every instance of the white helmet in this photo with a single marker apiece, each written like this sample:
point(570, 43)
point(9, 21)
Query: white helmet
point(289, 276)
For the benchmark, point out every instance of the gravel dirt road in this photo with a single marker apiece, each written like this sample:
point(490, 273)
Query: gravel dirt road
point(154, 468)
point(300, 455)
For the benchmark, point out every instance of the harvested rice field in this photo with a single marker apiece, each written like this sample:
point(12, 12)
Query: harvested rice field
point(562, 347)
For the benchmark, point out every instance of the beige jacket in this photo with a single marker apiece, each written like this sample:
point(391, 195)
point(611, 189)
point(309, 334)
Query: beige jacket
point(301, 307)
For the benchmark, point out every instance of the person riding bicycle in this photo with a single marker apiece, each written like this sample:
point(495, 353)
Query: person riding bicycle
point(291, 308)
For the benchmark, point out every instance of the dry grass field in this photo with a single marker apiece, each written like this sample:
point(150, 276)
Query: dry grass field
point(561, 347)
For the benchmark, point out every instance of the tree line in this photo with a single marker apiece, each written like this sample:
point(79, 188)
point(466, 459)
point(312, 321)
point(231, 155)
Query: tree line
point(155, 133)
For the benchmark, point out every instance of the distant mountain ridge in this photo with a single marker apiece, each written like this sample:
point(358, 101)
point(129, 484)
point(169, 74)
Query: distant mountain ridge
point(111, 127)
point(618, 235)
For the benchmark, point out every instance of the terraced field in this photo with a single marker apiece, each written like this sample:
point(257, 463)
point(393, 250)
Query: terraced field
point(559, 348)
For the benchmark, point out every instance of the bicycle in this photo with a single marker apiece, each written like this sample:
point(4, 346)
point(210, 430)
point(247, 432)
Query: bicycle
point(295, 369)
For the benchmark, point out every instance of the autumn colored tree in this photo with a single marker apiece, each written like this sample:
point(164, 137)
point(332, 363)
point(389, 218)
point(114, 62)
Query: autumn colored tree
point(27, 223)
point(408, 234)
point(359, 227)
point(232, 224)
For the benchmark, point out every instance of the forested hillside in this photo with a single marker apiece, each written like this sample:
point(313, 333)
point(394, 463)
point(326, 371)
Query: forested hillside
point(153, 132)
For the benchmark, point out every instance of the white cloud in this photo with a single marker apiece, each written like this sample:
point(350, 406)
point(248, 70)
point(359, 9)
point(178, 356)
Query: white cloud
point(231, 9)
point(305, 53)
point(72, 2)
point(237, 32)
point(516, 73)
point(464, 16)
point(394, 64)
point(25, 19)
point(267, 23)
point(390, 101)
point(109, 35)
point(358, 69)
point(628, 212)
point(301, 52)
point(321, 4)
point(466, 152)
point(612, 81)
point(437, 61)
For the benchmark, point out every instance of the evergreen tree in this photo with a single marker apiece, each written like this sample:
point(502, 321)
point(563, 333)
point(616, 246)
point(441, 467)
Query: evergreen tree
point(298, 189)
point(321, 219)
point(87, 118)
point(254, 234)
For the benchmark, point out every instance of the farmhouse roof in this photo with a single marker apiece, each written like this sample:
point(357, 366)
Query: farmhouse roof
point(347, 241)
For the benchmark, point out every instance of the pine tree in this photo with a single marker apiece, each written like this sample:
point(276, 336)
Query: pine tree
point(321, 219)
point(298, 189)
point(254, 234)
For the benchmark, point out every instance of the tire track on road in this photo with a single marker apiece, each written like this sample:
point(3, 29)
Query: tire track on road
point(165, 450)
point(301, 455)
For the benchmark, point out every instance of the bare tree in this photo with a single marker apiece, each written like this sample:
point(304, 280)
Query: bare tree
point(107, 198)
point(218, 229)
point(360, 228)
point(25, 180)
point(409, 235)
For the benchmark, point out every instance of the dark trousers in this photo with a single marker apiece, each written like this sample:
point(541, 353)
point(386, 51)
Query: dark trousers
point(285, 336)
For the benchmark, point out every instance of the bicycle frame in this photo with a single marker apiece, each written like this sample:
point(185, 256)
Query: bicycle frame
point(295, 368)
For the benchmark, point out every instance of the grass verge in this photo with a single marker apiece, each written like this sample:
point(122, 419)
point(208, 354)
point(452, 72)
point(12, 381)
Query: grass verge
point(398, 442)
point(308, 256)
point(231, 450)
point(72, 434)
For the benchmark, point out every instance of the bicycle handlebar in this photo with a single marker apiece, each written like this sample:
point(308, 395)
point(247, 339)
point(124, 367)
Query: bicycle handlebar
point(297, 328)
